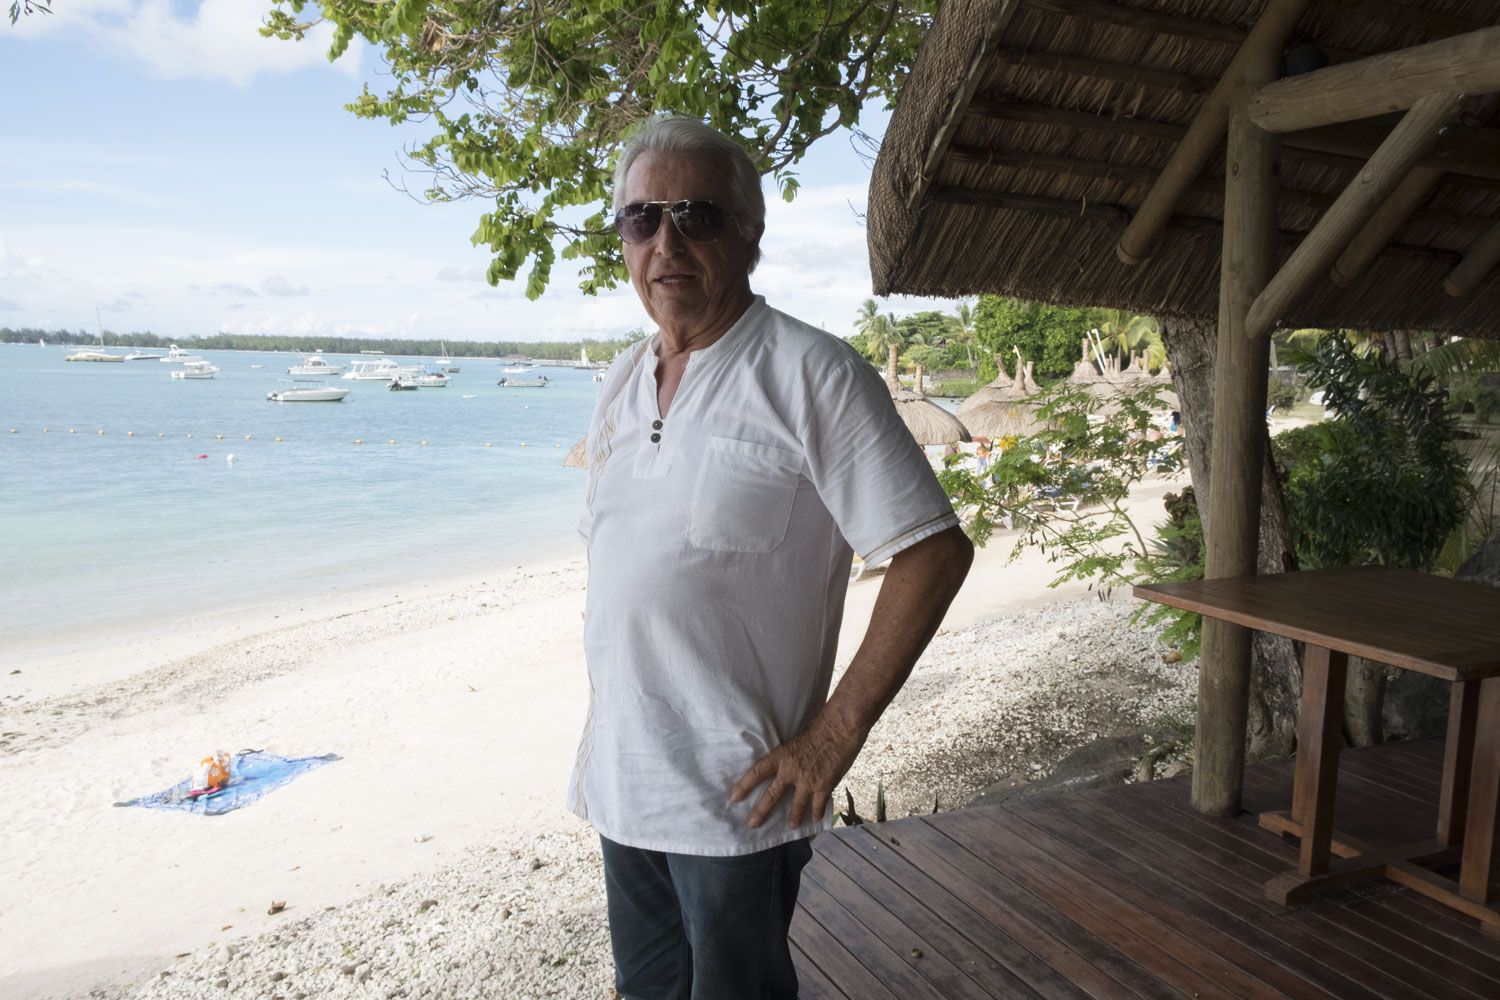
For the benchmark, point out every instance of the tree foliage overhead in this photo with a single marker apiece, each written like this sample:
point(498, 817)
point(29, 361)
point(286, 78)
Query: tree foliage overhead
point(529, 100)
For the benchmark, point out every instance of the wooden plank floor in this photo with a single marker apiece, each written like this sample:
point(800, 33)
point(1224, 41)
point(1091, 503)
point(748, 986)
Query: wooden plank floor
point(1127, 892)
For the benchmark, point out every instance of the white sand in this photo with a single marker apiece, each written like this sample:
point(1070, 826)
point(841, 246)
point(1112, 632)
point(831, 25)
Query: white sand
point(456, 712)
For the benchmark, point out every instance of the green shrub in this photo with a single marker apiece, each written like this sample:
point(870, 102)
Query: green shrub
point(1283, 394)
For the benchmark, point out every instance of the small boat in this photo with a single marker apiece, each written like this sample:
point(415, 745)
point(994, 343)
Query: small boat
point(307, 391)
point(197, 368)
point(177, 356)
point(430, 380)
point(314, 365)
point(540, 382)
point(598, 376)
point(380, 371)
point(253, 367)
point(142, 356)
point(445, 362)
point(89, 354)
point(403, 385)
point(518, 369)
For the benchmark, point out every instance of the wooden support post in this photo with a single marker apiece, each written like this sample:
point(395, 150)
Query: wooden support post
point(1413, 190)
point(1458, 759)
point(1479, 261)
point(1233, 525)
point(1476, 879)
point(1391, 81)
point(1394, 159)
point(1264, 43)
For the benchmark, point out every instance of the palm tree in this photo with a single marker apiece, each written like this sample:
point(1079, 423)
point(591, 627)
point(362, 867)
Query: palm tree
point(883, 341)
point(965, 334)
point(1129, 333)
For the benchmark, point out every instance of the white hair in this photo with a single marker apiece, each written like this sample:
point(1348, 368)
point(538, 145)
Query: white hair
point(685, 136)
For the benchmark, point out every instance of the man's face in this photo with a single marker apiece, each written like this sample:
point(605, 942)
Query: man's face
point(683, 284)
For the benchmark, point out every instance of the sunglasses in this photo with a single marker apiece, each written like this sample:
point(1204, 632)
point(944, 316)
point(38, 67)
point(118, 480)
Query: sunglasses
point(699, 221)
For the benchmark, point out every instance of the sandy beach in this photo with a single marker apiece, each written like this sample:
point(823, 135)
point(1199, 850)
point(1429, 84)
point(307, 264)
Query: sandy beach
point(435, 858)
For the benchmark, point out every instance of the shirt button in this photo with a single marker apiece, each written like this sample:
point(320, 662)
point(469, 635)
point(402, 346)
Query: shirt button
point(655, 438)
point(656, 425)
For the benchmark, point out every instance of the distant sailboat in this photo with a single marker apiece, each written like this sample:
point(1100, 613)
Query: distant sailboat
point(445, 362)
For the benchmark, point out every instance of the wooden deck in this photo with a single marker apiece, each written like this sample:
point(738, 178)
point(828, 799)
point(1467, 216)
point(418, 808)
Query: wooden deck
point(1127, 892)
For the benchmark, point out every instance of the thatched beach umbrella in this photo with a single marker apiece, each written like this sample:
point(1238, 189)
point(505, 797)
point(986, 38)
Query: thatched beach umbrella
point(928, 422)
point(1084, 372)
point(997, 391)
point(578, 456)
point(1014, 418)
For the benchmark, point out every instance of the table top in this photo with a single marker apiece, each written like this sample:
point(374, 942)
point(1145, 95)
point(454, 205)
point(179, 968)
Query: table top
point(1433, 624)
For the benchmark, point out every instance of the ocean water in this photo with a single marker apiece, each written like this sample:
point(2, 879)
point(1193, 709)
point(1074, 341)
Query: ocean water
point(150, 519)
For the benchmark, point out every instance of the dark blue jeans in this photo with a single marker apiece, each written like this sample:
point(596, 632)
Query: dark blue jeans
point(684, 927)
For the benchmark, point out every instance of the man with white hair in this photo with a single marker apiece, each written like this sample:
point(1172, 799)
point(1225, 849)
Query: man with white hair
point(736, 459)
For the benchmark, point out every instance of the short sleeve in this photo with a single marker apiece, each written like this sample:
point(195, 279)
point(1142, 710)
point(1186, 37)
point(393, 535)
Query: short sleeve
point(868, 469)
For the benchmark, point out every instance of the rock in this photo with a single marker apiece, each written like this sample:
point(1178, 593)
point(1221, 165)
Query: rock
point(1484, 565)
point(426, 905)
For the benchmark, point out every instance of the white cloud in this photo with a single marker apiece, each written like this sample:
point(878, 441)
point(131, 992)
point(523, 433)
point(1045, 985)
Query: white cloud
point(277, 285)
point(232, 288)
point(219, 40)
point(6, 305)
point(451, 273)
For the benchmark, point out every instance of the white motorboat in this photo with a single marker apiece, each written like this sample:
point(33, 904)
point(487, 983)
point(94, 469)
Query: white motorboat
point(177, 356)
point(89, 354)
point(307, 391)
point(429, 380)
point(518, 369)
point(540, 382)
point(598, 376)
point(142, 356)
point(315, 366)
point(197, 368)
point(383, 370)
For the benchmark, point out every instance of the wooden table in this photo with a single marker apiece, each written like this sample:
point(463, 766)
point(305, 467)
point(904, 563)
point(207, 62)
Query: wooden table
point(1434, 625)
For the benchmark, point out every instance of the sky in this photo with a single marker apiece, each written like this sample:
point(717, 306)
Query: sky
point(163, 163)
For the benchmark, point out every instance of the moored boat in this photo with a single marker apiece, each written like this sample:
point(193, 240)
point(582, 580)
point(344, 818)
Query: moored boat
point(316, 366)
point(539, 382)
point(196, 369)
point(89, 354)
point(379, 371)
point(307, 391)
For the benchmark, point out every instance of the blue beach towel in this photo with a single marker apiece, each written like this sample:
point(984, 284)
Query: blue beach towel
point(254, 774)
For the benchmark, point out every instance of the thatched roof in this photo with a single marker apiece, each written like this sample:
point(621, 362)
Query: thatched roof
point(1029, 131)
point(1003, 390)
point(928, 422)
point(995, 420)
point(577, 457)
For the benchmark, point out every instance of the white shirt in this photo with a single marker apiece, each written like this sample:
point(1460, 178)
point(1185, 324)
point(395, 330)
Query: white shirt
point(719, 557)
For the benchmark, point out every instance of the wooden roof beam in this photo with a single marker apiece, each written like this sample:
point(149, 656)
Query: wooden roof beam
point(1208, 185)
point(1144, 20)
point(1472, 155)
point(1414, 189)
point(1206, 133)
point(1117, 215)
point(1098, 69)
point(1379, 84)
point(1407, 15)
point(1479, 261)
point(1401, 150)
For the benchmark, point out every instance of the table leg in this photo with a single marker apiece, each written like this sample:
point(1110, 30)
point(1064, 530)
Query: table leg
point(1477, 876)
point(1320, 723)
point(1458, 755)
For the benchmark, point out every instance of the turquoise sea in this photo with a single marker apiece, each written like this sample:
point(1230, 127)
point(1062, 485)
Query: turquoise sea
point(150, 519)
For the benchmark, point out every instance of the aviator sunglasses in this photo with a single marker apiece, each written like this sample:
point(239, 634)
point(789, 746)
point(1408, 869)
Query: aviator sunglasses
point(699, 221)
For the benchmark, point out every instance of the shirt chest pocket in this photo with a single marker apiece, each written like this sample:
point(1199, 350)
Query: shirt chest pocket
point(742, 500)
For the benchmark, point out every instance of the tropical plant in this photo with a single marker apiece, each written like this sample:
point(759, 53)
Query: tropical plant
point(1390, 484)
point(528, 102)
point(1065, 488)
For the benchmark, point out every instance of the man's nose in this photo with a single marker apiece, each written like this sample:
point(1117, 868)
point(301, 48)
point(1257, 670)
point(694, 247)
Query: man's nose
point(667, 242)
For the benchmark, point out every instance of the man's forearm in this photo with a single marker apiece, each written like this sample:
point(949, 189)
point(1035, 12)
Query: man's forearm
point(918, 587)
